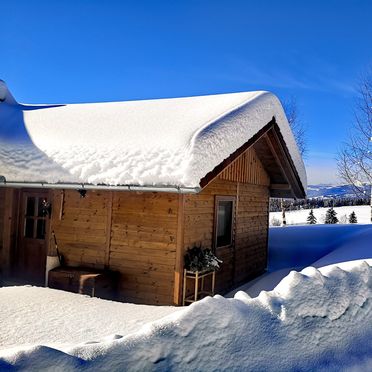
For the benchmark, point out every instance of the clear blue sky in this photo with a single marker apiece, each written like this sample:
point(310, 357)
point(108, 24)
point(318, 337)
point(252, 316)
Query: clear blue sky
point(87, 51)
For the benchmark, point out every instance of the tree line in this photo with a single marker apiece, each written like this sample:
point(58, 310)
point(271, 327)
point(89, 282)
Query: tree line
point(294, 205)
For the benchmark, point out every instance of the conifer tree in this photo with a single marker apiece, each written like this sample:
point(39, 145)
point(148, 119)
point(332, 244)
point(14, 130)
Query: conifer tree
point(353, 218)
point(311, 219)
point(331, 217)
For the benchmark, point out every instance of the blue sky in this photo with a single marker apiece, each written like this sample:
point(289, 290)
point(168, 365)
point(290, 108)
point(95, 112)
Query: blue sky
point(87, 51)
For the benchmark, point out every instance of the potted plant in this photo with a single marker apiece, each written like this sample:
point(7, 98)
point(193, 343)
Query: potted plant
point(202, 260)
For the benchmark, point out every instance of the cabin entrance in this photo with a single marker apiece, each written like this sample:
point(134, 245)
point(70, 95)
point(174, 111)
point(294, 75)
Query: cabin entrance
point(32, 236)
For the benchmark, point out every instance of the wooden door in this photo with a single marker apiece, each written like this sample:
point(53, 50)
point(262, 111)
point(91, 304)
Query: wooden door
point(32, 236)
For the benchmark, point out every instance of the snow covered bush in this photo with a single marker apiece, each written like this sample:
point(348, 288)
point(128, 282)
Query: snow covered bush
point(353, 218)
point(275, 222)
point(198, 259)
point(331, 216)
point(311, 219)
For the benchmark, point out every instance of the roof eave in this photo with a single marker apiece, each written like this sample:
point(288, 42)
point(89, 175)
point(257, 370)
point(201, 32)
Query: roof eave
point(77, 186)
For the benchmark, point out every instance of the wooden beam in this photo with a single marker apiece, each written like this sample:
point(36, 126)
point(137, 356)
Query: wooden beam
point(10, 218)
point(280, 186)
point(108, 229)
point(178, 271)
point(278, 143)
point(275, 154)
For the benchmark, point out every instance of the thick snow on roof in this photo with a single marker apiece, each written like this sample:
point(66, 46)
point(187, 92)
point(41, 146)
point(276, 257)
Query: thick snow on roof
point(163, 142)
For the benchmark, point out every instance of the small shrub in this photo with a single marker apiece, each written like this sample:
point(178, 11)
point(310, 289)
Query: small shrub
point(198, 259)
point(311, 219)
point(353, 218)
point(275, 222)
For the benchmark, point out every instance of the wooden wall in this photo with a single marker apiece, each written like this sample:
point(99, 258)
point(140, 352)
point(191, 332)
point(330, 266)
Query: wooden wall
point(247, 180)
point(132, 233)
point(8, 228)
point(144, 236)
point(2, 208)
point(247, 168)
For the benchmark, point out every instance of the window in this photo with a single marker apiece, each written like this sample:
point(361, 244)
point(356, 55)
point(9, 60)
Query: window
point(224, 219)
point(35, 218)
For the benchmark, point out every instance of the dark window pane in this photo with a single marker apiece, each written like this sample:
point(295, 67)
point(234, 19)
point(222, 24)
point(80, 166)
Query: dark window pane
point(40, 229)
point(224, 223)
point(30, 206)
point(42, 207)
point(29, 228)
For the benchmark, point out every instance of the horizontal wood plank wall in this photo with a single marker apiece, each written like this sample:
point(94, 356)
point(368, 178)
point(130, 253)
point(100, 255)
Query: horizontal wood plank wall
point(132, 233)
point(80, 227)
point(9, 212)
point(247, 168)
point(143, 245)
point(247, 180)
point(252, 219)
point(199, 225)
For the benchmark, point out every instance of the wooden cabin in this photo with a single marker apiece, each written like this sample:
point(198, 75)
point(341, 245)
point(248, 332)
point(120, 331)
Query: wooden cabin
point(140, 225)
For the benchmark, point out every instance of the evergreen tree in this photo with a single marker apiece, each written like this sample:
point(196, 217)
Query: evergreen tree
point(311, 219)
point(331, 216)
point(353, 218)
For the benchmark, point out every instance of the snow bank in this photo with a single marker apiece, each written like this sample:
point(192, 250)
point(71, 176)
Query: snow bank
point(173, 142)
point(313, 320)
point(32, 315)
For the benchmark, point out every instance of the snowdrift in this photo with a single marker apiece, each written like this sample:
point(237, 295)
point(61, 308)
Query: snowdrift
point(313, 320)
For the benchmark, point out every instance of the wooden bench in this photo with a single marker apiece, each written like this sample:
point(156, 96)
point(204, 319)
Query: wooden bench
point(95, 283)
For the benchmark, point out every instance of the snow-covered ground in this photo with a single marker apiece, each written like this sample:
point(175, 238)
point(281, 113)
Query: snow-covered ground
point(59, 319)
point(363, 213)
point(316, 319)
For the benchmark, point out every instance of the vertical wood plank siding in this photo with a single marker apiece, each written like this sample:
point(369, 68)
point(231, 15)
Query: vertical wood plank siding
point(247, 168)
point(132, 233)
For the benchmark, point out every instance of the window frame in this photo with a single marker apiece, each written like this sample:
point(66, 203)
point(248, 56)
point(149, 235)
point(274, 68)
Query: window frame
point(217, 200)
point(35, 217)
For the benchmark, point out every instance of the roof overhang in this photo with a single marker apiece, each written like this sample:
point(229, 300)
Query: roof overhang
point(78, 186)
point(273, 153)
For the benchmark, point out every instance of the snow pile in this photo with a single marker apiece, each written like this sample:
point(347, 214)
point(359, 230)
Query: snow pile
point(173, 142)
point(32, 315)
point(313, 320)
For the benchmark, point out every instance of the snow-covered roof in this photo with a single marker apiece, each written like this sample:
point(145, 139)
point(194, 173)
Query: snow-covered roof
point(161, 142)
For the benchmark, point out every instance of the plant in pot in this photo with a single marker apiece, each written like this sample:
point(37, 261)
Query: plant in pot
point(199, 259)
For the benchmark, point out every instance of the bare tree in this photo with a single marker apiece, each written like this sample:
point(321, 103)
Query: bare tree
point(296, 123)
point(355, 159)
point(298, 128)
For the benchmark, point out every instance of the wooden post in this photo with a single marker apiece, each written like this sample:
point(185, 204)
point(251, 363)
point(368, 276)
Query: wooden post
point(108, 230)
point(179, 253)
point(196, 285)
point(9, 226)
point(184, 288)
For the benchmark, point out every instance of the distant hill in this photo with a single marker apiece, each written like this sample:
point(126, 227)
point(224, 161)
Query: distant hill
point(335, 191)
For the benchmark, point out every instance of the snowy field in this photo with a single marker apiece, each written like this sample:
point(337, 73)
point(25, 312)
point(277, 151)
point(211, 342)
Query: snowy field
point(328, 305)
point(363, 213)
